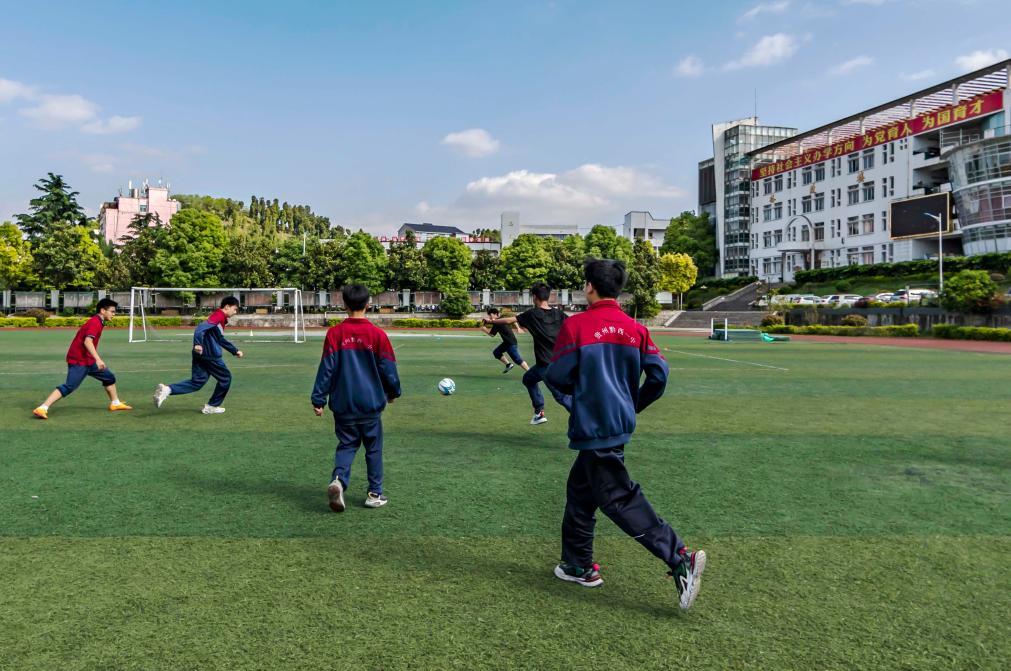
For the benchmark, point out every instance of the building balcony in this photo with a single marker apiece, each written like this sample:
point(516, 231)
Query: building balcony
point(928, 159)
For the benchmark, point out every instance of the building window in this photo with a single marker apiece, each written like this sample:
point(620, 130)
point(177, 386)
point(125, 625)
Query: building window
point(777, 211)
point(143, 207)
point(868, 191)
point(805, 234)
point(853, 161)
point(819, 202)
point(765, 266)
point(767, 239)
point(891, 186)
point(805, 204)
point(884, 221)
point(853, 226)
point(767, 186)
point(778, 183)
point(868, 159)
point(807, 176)
point(884, 153)
point(868, 224)
point(767, 213)
point(778, 235)
point(819, 231)
point(867, 256)
point(853, 194)
point(819, 172)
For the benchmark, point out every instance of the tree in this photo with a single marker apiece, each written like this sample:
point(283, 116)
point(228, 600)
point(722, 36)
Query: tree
point(486, 271)
point(246, 262)
point(323, 264)
point(677, 273)
point(134, 264)
point(692, 234)
point(493, 234)
point(57, 207)
point(191, 250)
point(568, 256)
point(643, 279)
point(363, 261)
point(291, 268)
point(406, 264)
point(603, 242)
point(448, 261)
point(69, 258)
point(525, 262)
point(16, 259)
point(456, 303)
point(970, 291)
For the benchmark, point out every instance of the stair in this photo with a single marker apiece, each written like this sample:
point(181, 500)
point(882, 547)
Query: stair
point(700, 319)
point(738, 300)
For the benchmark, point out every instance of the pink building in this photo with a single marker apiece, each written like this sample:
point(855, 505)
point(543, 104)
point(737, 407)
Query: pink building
point(115, 218)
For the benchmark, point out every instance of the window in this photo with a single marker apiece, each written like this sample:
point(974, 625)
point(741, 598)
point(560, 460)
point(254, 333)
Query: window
point(767, 186)
point(853, 226)
point(778, 235)
point(884, 153)
point(767, 213)
point(853, 194)
point(754, 189)
point(805, 204)
point(767, 239)
point(807, 176)
point(868, 224)
point(805, 234)
point(891, 186)
point(868, 191)
point(854, 163)
point(778, 183)
point(777, 211)
point(819, 202)
point(868, 159)
point(819, 231)
point(819, 172)
point(853, 256)
point(867, 255)
point(891, 152)
point(884, 221)
point(143, 207)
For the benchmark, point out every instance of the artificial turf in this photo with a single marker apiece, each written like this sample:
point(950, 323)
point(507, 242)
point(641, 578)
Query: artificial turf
point(855, 503)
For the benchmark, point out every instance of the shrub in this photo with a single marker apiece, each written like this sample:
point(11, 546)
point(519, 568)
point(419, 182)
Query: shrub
point(39, 315)
point(843, 285)
point(904, 331)
point(334, 321)
point(772, 320)
point(854, 320)
point(456, 303)
point(19, 322)
point(997, 277)
point(415, 323)
point(969, 291)
point(953, 332)
point(55, 322)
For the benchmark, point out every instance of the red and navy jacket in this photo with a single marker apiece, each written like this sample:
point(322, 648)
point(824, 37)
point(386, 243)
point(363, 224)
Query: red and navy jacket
point(599, 357)
point(358, 372)
point(211, 336)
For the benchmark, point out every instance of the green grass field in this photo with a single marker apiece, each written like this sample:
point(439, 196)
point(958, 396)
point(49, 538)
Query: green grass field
point(855, 503)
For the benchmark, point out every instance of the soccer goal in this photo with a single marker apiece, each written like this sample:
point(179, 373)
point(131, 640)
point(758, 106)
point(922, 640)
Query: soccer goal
point(154, 313)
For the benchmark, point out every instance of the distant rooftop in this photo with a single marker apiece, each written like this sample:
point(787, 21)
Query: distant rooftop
point(432, 228)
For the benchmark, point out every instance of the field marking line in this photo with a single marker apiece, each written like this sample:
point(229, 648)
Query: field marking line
point(719, 358)
point(163, 370)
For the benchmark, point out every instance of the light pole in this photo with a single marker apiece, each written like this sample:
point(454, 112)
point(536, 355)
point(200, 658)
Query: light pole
point(940, 249)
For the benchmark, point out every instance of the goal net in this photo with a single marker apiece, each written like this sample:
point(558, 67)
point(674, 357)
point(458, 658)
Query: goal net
point(167, 314)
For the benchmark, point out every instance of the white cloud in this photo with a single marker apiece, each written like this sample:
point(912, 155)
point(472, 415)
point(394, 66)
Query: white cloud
point(980, 59)
point(769, 50)
point(529, 187)
point(12, 90)
point(474, 142)
point(57, 111)
point(765, 8)
point(917, 76)
point(114, 124)
point(618, 181)
point(851, 65)
point(689, 66)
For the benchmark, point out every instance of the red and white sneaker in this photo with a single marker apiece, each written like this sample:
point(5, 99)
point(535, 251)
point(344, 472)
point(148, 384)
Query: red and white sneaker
point(581, 575)
point(688, 576)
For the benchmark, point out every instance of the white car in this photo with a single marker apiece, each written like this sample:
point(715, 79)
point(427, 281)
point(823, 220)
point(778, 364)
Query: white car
point(914, 295)
point(843, 300)
point(808, 299)
point(783, 299)
point(885, 297)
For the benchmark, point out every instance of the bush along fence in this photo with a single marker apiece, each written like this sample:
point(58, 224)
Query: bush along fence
point(954, 332)
point(903, 331)
point(995, 263)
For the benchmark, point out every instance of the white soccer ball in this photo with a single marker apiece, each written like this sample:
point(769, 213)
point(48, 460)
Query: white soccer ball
point(446, 386)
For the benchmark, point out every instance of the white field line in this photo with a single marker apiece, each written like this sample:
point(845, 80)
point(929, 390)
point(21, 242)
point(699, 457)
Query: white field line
point(163, 370)
point(719, 358)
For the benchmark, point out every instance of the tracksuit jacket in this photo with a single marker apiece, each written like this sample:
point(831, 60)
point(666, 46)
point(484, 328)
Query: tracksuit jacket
point(599, 358)
point(358, 372)
point(211, 336)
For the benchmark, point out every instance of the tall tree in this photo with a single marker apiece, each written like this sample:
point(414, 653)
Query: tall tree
point(603, 242)
point(136, 258)
point(486, 271)
point(363, 260)
point(493, 234)
point(677, 273)
point(525, 262)
point(246, 262)
point(406, 264)
point(568, 256)
point(57, 207)
point(692, 234)
point(190, 250)
point(291, 268)
point(448, 261)
point(69, 258)
point(16, 259)
point(643, 280)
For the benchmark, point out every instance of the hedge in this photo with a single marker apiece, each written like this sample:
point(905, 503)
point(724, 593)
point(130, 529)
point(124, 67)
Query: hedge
point(904, 331)
point(117, 322)
point(437, 323)
point(19, 322)
point(952, 332)
point(998, 263)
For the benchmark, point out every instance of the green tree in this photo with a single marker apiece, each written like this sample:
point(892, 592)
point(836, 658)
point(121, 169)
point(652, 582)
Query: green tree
point(16, 261)
point(448, 261)
point(677, 273)
point(603, 242)
point(486, 271)
point(291, 268)
point(363, 261)
point(568, 256)
point(134, 264)
point(406, 267)
point(70, 258)
point(57, 207)
point(246, 262)
point(970, 291)
point(643, 280)
point(190, 250)
point(525, 262)
point(456, 303)
point(493, 234)
point(323, 265)
point(692, 234)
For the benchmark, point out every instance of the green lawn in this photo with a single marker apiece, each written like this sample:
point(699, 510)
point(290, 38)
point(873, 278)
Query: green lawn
point(855, 503)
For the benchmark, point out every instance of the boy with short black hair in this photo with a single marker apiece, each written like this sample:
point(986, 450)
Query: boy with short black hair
point(599, 358)
point(358, 374)
point(543, 322)
point(83, 360)
point(508, 345)
point(208, 342)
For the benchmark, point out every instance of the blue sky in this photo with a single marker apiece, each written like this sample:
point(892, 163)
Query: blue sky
point(380, 113)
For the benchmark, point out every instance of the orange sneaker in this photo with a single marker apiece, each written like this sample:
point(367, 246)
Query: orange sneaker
point(41, 413)
point(115, 407)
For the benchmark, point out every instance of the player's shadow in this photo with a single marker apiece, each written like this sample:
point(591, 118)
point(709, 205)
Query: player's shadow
point(304, 495)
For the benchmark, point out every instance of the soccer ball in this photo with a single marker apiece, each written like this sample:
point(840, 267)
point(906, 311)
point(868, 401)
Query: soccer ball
point(446, 386)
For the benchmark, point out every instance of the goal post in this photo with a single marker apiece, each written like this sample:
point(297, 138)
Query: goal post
point(145, 302)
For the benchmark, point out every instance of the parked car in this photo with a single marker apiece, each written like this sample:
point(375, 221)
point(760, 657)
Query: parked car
point(842, 300)
point(885, 297)
point(783, 299)
point(865, 301)
point(808, 299)
point(914, 295)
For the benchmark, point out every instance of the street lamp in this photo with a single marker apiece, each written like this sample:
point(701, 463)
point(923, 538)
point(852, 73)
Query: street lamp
point(940, 248)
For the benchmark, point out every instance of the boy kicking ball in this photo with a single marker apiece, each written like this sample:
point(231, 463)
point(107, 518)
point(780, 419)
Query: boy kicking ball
point(508, 345)
point(358, 374)
point(208, 342)
point(599, 357)
point(83, 361)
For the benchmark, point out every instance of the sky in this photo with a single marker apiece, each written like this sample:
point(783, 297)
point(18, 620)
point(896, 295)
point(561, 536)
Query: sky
point(377, 114)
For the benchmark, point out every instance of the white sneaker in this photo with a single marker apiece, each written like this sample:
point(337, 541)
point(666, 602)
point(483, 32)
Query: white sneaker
point(375, 500)
point(161, 392)
point(335, 492)
point(212, 410)
point(539, 418)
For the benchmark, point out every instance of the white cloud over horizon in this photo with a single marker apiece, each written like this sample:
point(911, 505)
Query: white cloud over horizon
point(689, 66)
point(918, 76)
point(769, 50)
point(11, 90)
point(765, 8)
point(980, 59)
point(55, 111)
point(473, 142)
point(114, 124)
point(851, 65)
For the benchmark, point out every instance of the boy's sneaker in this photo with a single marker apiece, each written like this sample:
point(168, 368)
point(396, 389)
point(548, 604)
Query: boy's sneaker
point(212, 410)
point(119, 405)
point(335, 492)
point(587, 577)
point(688, 576)
point(41, 413)
point(509, 367)
point(161, 392)
point(374, 500)
point(539, 418)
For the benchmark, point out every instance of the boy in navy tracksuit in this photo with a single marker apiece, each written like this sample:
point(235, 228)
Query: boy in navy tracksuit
point(208, 342)
point(599, 357)
point(358, 373)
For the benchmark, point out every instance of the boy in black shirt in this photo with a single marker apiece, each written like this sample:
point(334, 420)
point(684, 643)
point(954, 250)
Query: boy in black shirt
point(508, 345)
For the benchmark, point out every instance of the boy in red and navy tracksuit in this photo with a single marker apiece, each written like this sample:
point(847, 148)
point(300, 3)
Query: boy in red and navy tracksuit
point(83, 360)
point(599, 358)
point(358, 374)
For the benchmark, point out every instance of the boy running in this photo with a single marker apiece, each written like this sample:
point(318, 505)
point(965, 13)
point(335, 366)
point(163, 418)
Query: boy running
point(208, 341)
point(599, 358)
point(358, 374)
point(83, 360)
point(543, 322)
point(508, 345)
